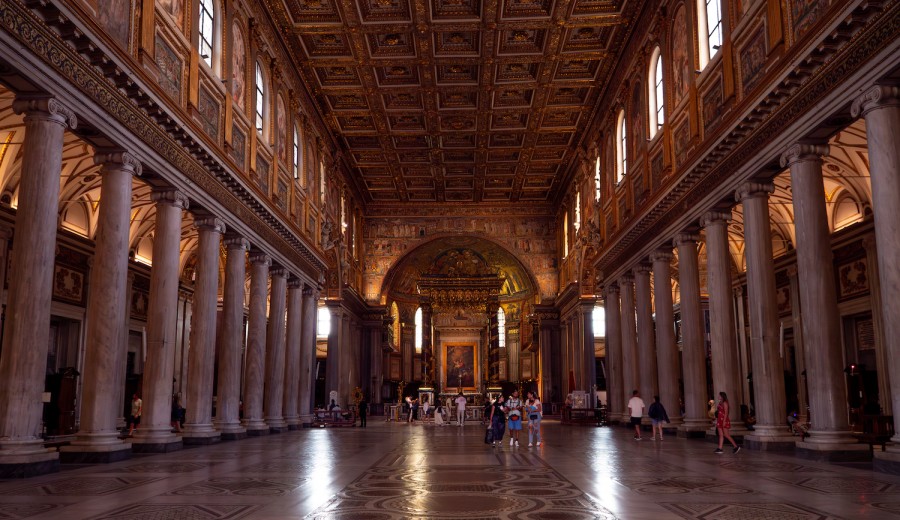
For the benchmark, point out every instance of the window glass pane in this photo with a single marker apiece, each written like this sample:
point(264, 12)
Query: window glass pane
point(599, 322)
point(623, 143)
point(207, 17)
point(597, 180)
point(323, 322)
point(501, 327)
point(566, 235)
point(577, 222)
point(660, 99)
point(714, 26)
point(296, 154)
point(260, 99)
point(419, 330)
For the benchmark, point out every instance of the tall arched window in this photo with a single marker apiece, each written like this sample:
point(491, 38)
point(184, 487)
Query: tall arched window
point(599, 321)
point(577, 222)
point(597, 180)
point(260, 100)
point(655, 98)
point(418, 330)
point(395, 313)
point(323, 322)
point(207, 26)
point(565, 235)
point(297, 157)
point(621, 147)
point(709, 29)
point(322, 182)
point(501, 327)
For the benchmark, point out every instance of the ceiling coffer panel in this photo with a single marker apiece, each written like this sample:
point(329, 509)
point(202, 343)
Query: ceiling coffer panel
point(456, 100)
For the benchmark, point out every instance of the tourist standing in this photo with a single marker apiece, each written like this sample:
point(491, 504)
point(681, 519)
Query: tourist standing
point(636, 407)
point(137, 408)
point(498, 420)
point(658, 415)
point(514, 411)
point(535, 411)
point(460, 409)
point(723, 424)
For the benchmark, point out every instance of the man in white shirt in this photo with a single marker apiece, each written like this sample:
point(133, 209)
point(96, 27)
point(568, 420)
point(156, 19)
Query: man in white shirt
point(460, 409)
point(636, 407)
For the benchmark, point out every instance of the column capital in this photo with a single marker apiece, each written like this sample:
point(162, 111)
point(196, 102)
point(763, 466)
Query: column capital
point(711, 218)
point(662, 255)
point(752, 189)
point(611, 289)
point(118, 160)
point(236, 243)
point(170, 196)
point(47, 107)
point(626, 279)
point(279, 271)
point(685, 239)
point(310, 292)
point(260, 258)
point(643, 268)
point(214, 224)
point(295, 283)
point(799, 152)
point(879, 96)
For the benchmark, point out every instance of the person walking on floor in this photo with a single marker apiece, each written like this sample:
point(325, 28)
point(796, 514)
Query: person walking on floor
point(658, 415)
point(460, 409)
point(137, 408)
point(498, 420)
point(535, 411)
point(514, 411)
point(636, 408)
point(723, 424)
point(363, 411)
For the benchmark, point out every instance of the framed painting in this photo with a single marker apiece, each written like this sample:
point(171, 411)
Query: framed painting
point(460, 364)
point(394, 372)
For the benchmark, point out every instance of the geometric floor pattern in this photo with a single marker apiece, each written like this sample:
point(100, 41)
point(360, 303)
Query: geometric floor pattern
point(400, 471)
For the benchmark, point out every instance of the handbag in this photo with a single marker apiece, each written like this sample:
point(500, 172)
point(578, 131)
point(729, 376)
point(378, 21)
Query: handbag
point(489, 436)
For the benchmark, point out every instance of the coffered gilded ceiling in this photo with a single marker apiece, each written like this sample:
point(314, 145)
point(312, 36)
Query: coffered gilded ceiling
point(456, 100)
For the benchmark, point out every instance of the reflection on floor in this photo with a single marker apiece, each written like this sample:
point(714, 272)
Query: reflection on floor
point(392, 470)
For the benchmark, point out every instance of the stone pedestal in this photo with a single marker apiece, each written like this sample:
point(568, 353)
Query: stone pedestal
point(198, 427)
point(693, 352)
point(254, 365)
point(26, 330)
point(274, 385)
point(290, 410)
point(228, 395)
point(646, 338)
point(155, 433)
point(629, 347)
point(669, 368)
point(98, 437)
point(614, 394)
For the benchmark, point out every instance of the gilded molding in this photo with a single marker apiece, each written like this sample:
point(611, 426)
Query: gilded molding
point(801, 152)
point(45, 106)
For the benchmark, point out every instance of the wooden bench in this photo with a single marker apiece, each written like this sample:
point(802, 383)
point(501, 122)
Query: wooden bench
point(877, 430)
point(324, 418)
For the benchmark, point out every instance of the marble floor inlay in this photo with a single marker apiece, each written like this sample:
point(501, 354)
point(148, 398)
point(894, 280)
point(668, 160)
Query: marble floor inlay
point(398, 471)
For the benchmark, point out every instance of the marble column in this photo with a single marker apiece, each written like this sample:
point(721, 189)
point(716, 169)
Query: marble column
point(333, 356)
point(723, 342)
point(822, 342)
point(27, 327)
point(308, 354)
point(97, 439)
point(427, 350)
point(630, 379)
point(693, 347)
point(884, 378)
point(198, 427)
point(345, 383)
point(274, 385)
point(880, 105)
point(155, 433)
point(768, 366)
point(255, 357)
point(290, 409)
point(231, 343)
point(5, 236)
point(669, 367)
point(799, 344)
point(615, 395)
point(588, 351)
point(646, 340)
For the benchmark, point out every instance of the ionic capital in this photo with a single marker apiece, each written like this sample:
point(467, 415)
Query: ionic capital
point(46, 107)
point(750, 190)
point(117, 160)
point(214, 224)
point(170, 197)
point(626, 280)
point(801, 152)
point(236, 243)
point(295, 283)
point(279, 272)
point(879, 96)
point(611, 290)
point(684, 239)
point(260, 258)
point(311, 293)
point(711, 218)
point(662, 255)
point(643, 269)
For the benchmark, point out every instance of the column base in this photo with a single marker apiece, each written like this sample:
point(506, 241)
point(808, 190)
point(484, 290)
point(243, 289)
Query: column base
point(294, 427)
point(95, 453)
point(257, 431)
point(155, 441)
point(234, 436)
point(887, 461)
point(231, 431)
point(27, 465)
point(275, 430)
point(833, 452)
point(693, 429)
point(200, 438)
point(276, 424)
point(770, 439)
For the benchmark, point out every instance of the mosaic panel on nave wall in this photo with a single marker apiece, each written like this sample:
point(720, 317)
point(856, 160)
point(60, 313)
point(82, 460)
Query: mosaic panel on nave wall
point(387, 240)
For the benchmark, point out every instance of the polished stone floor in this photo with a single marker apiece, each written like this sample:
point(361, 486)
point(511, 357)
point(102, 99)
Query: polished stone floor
point(392, 470)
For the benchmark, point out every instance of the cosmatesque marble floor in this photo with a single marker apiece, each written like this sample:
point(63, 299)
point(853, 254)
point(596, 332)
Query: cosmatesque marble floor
point(396, 470)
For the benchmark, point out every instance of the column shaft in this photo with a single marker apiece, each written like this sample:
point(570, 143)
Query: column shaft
point(588, 352)
point(292, 353)
point(333, 356)
point(648, 384)
point(274, 387)
point(615, 397)
point(255, 358)
point(308, 354)
point(693, 348)
point(629, 342)
point(155, 432)
point(668, 367)
point(198, 426)
point(231, 342)
point(26, 328)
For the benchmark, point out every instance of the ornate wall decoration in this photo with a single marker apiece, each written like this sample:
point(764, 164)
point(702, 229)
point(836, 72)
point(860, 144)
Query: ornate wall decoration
point(681, 61)
point(805, 13)
point(638, 190)
point(281, 198)
point(68, 284)
point(173, 8)
point(262, 173)
point(712, 105)
point(238, 68)
point(753, 59)
point(656, 171)
point(636, 116)
point(115, 18)
point(853, 278)
point(209, 111)
point(171, 68)
point(682, 141)
point(238, 146)
point(281, 130)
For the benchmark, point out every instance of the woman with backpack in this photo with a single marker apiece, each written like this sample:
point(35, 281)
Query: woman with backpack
point(658, 415)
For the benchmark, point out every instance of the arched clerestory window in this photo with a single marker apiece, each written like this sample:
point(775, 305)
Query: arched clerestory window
point(260, 100)
point(323, 322)
point(599, 321)
point(621, 147)
point(206, 43)
point(418, 337)
point(297, 156)
point(655, 94)
point(501, 327)
point(598, 181)
point(709, 29)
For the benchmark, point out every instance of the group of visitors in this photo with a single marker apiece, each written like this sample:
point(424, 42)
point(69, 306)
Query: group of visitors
point(658, 416)
point(510, 411)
